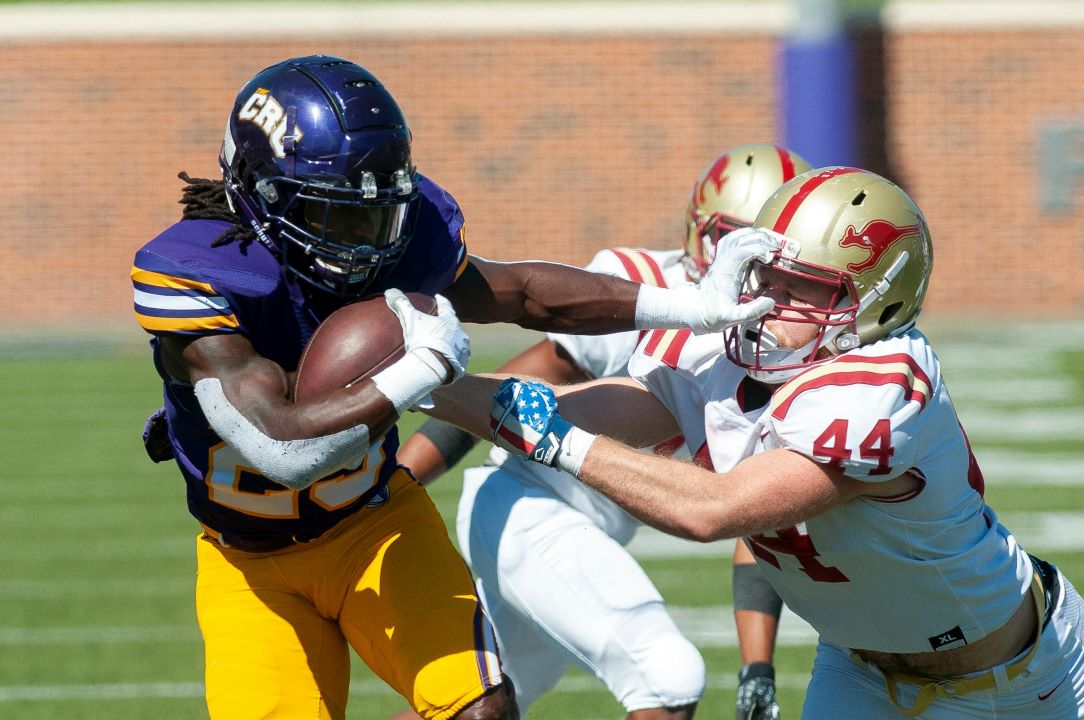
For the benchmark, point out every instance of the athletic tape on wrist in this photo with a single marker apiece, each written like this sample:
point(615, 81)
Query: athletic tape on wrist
point(666, 307)
point(574, 447)
point(410, 379)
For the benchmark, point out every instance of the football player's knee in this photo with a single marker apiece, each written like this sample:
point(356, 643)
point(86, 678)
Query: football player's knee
point(676, 671)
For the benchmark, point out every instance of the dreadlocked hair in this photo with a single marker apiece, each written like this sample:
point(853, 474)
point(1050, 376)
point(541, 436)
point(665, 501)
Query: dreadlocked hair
point(205, 199)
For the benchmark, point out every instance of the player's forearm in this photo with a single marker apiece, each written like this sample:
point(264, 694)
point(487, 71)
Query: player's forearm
point(561, 298)
point(465, 404)
point(544, 296)
point(663, 493)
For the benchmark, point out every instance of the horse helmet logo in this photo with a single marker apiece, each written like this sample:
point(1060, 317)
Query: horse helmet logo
point(715, 177)
point(877, 237)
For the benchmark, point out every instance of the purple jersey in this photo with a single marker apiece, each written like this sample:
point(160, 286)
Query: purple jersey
point(184, 286)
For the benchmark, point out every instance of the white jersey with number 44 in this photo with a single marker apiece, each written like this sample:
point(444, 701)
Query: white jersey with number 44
point(929, 570)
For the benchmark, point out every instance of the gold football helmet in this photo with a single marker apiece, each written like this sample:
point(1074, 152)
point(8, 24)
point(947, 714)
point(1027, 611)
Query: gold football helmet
point(860, 235)
point(728, 195)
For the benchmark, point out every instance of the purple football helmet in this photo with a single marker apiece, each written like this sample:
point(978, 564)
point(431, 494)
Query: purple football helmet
point(316, 160)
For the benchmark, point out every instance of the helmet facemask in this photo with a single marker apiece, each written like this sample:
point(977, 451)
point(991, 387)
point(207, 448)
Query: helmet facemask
point(702, 233)
point(339, 239)
point(754, 346)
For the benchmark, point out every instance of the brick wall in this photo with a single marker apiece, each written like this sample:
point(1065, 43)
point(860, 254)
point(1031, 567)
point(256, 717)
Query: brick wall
point(554, 145)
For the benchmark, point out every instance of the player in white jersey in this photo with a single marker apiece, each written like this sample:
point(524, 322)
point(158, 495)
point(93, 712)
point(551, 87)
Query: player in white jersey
point(547, 552)
point(837, 453)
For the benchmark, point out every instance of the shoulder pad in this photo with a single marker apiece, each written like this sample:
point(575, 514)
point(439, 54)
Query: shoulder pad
point(857, 413)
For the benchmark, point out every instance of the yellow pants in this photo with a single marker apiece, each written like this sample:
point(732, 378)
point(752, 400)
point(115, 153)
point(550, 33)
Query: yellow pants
point(387, 581)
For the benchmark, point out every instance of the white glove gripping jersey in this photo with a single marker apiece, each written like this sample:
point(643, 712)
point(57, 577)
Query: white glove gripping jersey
point(930, 570)
point(601, 356)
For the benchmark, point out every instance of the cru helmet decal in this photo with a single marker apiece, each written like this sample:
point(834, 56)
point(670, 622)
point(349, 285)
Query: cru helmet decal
point(877, 236)
point(269, 115)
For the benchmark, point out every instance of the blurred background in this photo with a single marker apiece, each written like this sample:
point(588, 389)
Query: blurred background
point(561, 127)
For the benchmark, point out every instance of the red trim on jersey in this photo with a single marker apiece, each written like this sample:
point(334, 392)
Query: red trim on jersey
point(904, 358)
point(631, 269)
point(673, 351)
point(656, 279)
point(783, 222)
point(786, 162)
point(903, 497)
point(865, 377)
point(653, 343)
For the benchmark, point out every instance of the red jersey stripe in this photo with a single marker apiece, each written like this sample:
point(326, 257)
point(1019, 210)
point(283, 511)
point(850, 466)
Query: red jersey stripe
point(673, 351)
point(861, 377)
point(653, 343)
point(903, 358)
point(636, 262)
point(783, 222)
point(630, 267)
point(666, 345)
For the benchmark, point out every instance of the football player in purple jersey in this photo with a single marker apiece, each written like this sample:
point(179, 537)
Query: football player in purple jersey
point(314, 540)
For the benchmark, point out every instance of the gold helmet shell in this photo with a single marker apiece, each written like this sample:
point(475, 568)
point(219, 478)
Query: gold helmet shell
point(729, 193)
point(854, 229)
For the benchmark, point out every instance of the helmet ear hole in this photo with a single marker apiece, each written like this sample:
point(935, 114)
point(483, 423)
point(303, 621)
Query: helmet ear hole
point(889, 313)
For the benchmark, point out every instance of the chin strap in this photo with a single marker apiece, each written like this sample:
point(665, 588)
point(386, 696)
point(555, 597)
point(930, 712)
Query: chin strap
point(849, 341)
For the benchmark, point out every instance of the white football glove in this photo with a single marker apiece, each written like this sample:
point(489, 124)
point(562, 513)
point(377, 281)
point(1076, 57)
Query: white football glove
point(440, 333)
point(711, 306)
point(720, 287)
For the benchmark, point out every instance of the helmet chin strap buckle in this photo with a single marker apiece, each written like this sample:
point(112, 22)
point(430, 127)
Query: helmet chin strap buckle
point(267, 190)
point(847, 341)
point(403, 185)
point(790, 248)
point(368, 185)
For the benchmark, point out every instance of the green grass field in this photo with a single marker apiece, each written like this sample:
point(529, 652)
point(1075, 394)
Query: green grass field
point(96, 608)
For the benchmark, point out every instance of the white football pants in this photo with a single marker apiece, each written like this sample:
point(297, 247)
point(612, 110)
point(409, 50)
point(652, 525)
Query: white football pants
point(560, 592)
point(1052, 688)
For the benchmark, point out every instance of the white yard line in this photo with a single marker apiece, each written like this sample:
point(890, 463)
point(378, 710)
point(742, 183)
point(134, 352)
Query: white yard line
point(1037, 531)
point(1009, 467)
point(971, 388)
point(358, 687)
point(709, 626)
point(91, 588)
point(98, 635)
point(1024, 424)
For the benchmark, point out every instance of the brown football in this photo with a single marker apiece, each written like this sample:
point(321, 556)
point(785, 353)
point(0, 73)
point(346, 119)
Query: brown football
point(355, 342)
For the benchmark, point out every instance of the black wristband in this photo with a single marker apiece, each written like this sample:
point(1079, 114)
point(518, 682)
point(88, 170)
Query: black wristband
point(451, 442)
point(752, 591)
point(755, 670)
